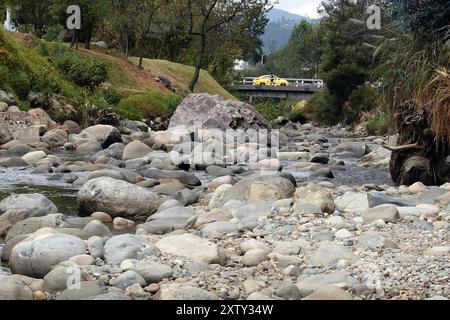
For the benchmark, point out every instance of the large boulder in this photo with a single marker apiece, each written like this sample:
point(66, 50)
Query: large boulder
point(104, 134)
point(35, 203)
point(212, 111)
point(116, 197)
point(46, 248)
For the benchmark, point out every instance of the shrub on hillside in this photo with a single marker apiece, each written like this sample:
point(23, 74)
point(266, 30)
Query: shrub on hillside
point(148, 106)
point(84, 71)
point(323, 106)
point(362, 99)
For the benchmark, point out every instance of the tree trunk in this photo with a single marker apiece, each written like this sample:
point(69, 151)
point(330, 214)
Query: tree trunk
point(199, 63)
point(429, 164)
point(141, 54)
point(87, 42)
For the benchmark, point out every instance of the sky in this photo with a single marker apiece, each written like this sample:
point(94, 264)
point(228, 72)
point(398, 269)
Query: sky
point(301, 7)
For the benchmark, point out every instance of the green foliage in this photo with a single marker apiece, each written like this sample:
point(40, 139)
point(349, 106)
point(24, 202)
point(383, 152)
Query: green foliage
point(23, 70)
point(323, 108)
point(302, 55)
point(363, 99)
point(378, 124)
point(295, 116)
point(269, 111)
point(148, 106)
point(84, 71)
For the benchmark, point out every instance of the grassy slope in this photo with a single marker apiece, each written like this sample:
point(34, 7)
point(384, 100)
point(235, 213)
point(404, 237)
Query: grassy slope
point(181, 75)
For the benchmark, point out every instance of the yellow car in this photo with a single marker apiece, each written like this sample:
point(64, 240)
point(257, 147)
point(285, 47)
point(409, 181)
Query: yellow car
point(270, 80)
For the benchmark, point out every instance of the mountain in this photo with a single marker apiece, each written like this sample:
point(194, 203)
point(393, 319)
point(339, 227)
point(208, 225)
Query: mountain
point(279, 29)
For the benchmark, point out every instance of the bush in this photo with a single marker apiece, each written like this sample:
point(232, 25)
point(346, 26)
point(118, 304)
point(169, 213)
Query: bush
point(148, 106)
point(269, 111)
point(362, 99)
point(378, 124)
point(86, 72)
point(296, 117)
point(324, 108)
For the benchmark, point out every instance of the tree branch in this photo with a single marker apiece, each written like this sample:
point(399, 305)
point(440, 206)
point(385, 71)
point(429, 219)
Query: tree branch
point(402, 148)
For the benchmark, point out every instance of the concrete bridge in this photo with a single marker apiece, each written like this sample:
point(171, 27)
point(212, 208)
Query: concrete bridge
point(301, 89)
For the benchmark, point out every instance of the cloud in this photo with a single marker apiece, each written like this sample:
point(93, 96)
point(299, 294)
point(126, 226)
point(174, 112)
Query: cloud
point(301, 7)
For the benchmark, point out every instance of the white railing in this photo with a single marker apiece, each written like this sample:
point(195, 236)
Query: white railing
point(292, 82)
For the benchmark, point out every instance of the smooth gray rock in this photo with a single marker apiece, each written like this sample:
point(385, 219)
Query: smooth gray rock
point(128, 278)
point(183, 292)
point(34, 202)
point(330, 253)
point(38, 254)
point(117, 198)
point(127, 246)
point(14, 288)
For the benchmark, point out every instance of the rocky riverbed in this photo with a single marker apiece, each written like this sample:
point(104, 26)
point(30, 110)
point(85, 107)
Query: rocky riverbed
point(111, 213)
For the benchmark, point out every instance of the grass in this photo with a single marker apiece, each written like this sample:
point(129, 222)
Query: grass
point(180, 75)
point(23, 70)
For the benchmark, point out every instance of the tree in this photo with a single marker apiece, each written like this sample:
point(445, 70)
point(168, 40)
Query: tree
point(33, 13)
point(346, 61)
point(206, 16)
point(301, 57)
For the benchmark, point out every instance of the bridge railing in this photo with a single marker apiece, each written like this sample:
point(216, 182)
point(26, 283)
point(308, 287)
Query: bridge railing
point(292, 82)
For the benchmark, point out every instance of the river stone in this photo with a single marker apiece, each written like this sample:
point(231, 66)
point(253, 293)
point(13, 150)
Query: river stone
point(285, 188)
point(128, 278)
point(173, 213)
point(352, 202)
point(97, 228)
point(117, 197)
point(11, 217)
point(55, 138)
point(127, 246)
point(351, 149)
point(219, 194)
point(377, 198)
point(35, 203)
point(186, 178)
point(289, 291)
point(374, 241)
point(95, 246)
point(213, 111)
point(316, 195)
point(85, 290)
point(152, 272)
point(190, 246)
point(309, 284)
point(31, 225)
point(329, 293)
point(36, 255)
point(253, 244)
point(219, 227)
point(135, 149)
point(169, 188)
point(33, 157)
point(213, 216)
point(59, 278)
point(253, 257)
point(187, 197)
point(102, 216)
point(14, 288)
point(183, 292)
point(106, 135)
point(330, 253)
point(387, 213)
point(262, 191)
